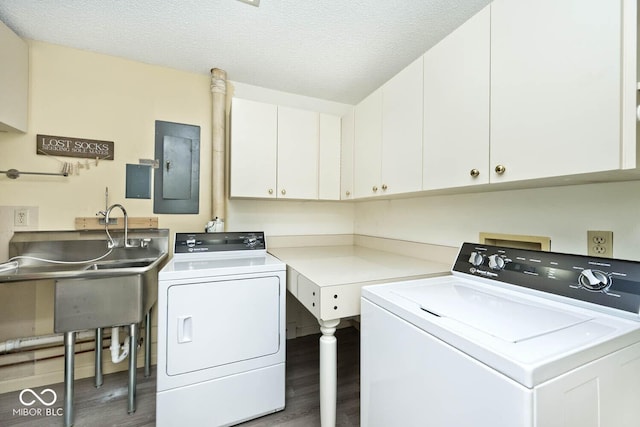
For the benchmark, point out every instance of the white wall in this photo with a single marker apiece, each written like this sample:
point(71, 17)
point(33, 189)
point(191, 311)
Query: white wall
point(562, 213)
point(283, 217)
point(256, 93)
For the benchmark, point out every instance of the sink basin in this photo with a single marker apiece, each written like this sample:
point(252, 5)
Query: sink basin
point(110, 265)
point(109, 289)
point(117, 296)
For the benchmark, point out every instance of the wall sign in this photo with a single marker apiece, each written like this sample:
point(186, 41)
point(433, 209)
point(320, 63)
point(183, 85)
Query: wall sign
point(74, 147)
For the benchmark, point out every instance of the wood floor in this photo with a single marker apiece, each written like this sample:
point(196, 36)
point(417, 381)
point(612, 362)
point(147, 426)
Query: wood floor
point(107, 406)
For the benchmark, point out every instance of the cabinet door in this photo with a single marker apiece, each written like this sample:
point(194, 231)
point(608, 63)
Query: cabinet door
point(329, 160)
point(367, 149)
point(298, 132)
point(456, 107)
point(346, 157)
point(555, 87)
point(254, 136)
point(14, 81)
point(402, 131)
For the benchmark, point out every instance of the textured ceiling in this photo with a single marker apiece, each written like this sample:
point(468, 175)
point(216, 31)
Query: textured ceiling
point(339, 50)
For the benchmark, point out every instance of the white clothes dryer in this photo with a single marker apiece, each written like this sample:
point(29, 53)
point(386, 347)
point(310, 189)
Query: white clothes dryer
point(221, 331)
point(513, 338)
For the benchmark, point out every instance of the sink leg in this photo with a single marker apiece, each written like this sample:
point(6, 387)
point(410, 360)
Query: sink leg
point(147, 344)
point(98, 357)
point(133, 346)
point(69, 355)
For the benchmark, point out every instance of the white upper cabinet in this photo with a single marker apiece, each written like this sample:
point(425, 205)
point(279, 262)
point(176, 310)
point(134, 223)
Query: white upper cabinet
point(456, 107)
point(14, 81)
point(401, 167)
point(298, 133)
point(329, 158)
point(555, 87)
point(282, 152)
point(388, 137)
point(367, 149)
point(346, 157)
point(524, 90)
point(254, 143)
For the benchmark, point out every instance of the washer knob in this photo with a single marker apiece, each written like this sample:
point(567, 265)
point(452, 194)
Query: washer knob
point(476, 259)
point(496, 262)
point(594, 280)
point(251, 242)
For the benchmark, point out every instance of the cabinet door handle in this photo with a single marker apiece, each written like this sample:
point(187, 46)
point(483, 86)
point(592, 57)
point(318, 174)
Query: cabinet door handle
point(474, 173)
point(384, 187)
point(500, 169)
point(374, 188)
point(271, 191)
point(348, 193)
point(283, 191)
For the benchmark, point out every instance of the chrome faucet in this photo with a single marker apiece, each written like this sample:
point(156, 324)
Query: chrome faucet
point(111, 243)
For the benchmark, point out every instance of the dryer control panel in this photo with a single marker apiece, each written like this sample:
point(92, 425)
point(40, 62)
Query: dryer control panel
point(186, 243)
point(604, 281)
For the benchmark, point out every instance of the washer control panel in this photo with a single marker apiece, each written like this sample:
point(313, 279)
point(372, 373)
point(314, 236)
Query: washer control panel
point(603, 281)
point(219, 242)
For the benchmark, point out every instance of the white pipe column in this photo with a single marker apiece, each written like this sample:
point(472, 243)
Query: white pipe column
point(219, 95)
point(328, 372)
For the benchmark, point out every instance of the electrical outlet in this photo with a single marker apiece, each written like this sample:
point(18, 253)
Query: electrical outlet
point(600, 243)
point(21, 217)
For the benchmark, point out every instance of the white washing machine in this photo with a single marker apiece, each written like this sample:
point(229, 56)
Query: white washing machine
point(512, 338)
point(221, 331)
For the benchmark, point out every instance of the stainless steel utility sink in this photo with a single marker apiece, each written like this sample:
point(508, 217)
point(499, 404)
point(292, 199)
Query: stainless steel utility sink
point(101, 280)
point(92, 290)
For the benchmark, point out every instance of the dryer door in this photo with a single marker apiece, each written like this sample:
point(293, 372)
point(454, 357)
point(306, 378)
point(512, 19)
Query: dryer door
point(217, 323)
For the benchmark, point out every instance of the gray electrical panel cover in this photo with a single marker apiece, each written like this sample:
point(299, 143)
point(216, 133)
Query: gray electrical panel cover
point(177, 179)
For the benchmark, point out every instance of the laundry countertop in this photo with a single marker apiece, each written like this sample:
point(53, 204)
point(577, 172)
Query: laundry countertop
point(327, 279)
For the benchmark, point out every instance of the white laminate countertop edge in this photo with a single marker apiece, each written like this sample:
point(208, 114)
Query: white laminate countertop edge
point(350, 264)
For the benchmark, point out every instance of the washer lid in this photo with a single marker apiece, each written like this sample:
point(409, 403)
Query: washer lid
point(528, 338)
point(512, 319)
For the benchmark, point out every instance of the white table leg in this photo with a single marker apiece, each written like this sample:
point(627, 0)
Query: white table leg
point(328, 372)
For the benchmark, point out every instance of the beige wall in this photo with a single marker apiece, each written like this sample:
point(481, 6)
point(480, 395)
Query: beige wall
point(86, 95)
